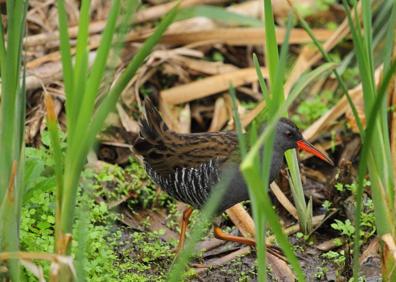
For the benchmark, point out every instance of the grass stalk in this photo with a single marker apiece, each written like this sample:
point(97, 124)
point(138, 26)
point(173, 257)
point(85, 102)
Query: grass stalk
point(58, 157)
point(12, 120)
point(375, 154)
point(328, 59)
point(382, 214)
point(376, 149)
point(260, 198)
point(82, 93)
point(259, 177)
point(255, 196)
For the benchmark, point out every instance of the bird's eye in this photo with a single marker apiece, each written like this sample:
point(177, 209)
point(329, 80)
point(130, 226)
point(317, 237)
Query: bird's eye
point(289, 133)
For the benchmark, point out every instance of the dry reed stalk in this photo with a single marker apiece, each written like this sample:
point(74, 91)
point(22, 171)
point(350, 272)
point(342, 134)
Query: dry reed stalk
point(220, 115)
point(235, 36)
point(242, 219)
point(283, 200)
point(149, 14)
point(206, 67)
point(208, 86)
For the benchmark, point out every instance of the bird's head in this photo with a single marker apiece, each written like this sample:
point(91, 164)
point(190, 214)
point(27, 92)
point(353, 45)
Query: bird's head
point(288, 136)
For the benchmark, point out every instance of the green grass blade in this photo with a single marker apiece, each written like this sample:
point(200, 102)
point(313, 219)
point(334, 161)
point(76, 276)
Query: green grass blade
point(10, 80)
point(97, 72)
point(273, 101)
point(363, 59)
point(89, 132)
point(82, 234)
point(74, 160)
point(310, 77)
point(57, 155)
point(2, 46)
point(277, 87)
point(387, 59)
point(260, 76)
point(253, 177)
point(12, 121)
point(237, 122)
point(368, 34)
point(387, 225)
point(273, 105)
point(260, 195)
point(381, 151)
point(390, 35)
point(65, 51)
point(20, 133)
point(249, 162)
point(9, 225)
point(81, 64)
point(271, 47)
point(291, 156)
point(254, 194)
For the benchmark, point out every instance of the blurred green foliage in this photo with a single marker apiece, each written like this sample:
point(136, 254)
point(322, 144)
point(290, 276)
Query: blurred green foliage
point(313, 108)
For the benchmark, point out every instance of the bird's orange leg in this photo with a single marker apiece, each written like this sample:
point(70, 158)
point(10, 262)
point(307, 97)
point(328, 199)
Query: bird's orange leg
point(220, 234)
point(183, 228)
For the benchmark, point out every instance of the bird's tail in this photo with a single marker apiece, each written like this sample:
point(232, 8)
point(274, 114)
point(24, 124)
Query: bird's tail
point(152, 129)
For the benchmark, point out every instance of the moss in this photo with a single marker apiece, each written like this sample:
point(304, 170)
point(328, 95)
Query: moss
point(102, 249)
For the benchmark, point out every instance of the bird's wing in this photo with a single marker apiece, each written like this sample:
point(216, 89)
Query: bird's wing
point(165, 150)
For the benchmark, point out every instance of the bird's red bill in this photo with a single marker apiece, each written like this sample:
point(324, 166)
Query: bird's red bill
point(308, 147)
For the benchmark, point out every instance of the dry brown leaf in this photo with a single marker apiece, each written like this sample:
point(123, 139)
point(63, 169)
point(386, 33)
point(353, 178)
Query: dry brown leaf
point(371, 251)
point(280, 269)
point(223, 260)
point(390, 244)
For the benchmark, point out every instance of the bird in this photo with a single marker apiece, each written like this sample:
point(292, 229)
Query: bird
point(188, 166)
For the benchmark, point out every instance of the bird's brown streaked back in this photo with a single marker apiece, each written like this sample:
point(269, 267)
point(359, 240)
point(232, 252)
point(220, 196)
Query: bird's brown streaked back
point(165, 150)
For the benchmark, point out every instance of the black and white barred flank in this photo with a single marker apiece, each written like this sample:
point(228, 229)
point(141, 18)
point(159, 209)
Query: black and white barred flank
point(191, 185)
